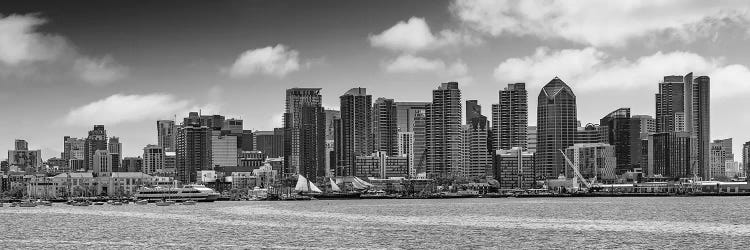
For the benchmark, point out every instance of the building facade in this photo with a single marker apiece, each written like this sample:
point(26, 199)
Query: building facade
point(96, 140)
point(385, 127)
point(355, 134)
point(557, 123)
point(443, 132)
point(593, 160)
point(304, 134)
point(510, 117)
point(514, 169)
point(193, 151)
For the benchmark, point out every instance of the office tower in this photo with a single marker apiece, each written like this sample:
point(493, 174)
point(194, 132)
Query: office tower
point(153, 160)
point(213, 122)
point(232, 126)
point(170, 163)
point(97, 140)
point(25, 159)
point(683, 105)
point(331, 115)
point(114, 146)
point(477, 148)
point(670, 155)
point(593, 160)
point(223, 149)
point(746, 157)
point(21, 145)
point(304, 134)
point(385, 126)
point(473, 110)
point(166, 134)
point(557, 123)
point(410, 117)
point(531, 139)
point(270, 143)
point(132, 164)
point(514, 169)
point(443, 132)
point(592, 133)
point(618, 133)
point(406, 149)
point(101, 162)
point(510, 117)
point(640, 127)
point(330, 157)
point(246, 141)
point(356, 129)
point(193, 154)
point(380, 165)
point(721, 152)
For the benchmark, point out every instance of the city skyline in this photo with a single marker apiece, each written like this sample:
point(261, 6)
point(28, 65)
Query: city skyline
point(120, 70)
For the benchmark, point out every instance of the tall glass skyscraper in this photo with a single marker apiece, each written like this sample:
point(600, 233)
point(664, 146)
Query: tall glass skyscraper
point(510, 118)
point(443, 132)
point(557, 122)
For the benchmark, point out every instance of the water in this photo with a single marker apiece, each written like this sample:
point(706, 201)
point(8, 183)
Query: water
point(680, 222)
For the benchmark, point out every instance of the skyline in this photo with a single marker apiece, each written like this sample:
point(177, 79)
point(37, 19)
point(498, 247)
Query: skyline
point(72, 73)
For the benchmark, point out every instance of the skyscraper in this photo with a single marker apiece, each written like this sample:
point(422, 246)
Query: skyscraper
point(593, 160)
point(73, 149)
point(114, 146)
point(411, 118)
point(514, 168)
point(683, 105)
point(304, 133)
point(510, 118)
point(270, 143)
point(97, 140)
point(641, 126)
point(27, 160)
point(223, 149)
point(473, 110)
point(443, 132)
point(166, 134)
point(670, 155)
point(384, 126)
point(193, 151)
point(746, 157)
point(153, 160)
point(721, 151)
point(477, 148)
point(557, 123)
point(356, 129)
point(618, 134)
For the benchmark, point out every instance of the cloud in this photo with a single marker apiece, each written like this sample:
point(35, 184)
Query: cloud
point(407, 63)
point(121, 108)
point(99, 71)
point(414, 35)
point(600, 23)
point(276, 61)
point(592, 70)
point(26, 52)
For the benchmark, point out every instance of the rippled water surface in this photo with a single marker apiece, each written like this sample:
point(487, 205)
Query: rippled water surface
point(685, 222)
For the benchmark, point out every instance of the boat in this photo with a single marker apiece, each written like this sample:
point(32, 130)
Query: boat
point(189, 202)
point(379, 194)
point(188, 192)
point(141, 202)
point(336, 193)
point(27, 204)
point(305, 189)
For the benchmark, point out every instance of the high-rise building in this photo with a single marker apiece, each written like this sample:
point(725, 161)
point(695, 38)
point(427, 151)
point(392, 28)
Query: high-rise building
point(132, 164)
point(406, 149)
point(304, 133)
point(721, 152)
point(97, 140)
point(193, 151)
point(73, 149)
point(531, 139)
point(153, 160)
point(592, 133)
point(510, 117)
point(411, 118)
point(746, 158)
point(385, 127)
point(473, 110)
point(514, 169)
point(166, 134)
point(330, 157)
point(557, 124)
point(619, 134)
point(443, 132)
point(477, 148)
point(380, 165)
point(683, 105)
point(356, 129)
point(223, 149)
point(25, 159)
point(170, 164)
point(114, 146)
point(213, 122)
point(102, 164)
point(670, 155)
point(331, 115)
point(270, 143)
point(640, 127)
point(593, 160)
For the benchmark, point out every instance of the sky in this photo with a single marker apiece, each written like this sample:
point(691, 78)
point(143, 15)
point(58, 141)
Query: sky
point(67, 65)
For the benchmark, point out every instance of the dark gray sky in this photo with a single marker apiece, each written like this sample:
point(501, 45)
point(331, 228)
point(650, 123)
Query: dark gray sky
point(67, 65)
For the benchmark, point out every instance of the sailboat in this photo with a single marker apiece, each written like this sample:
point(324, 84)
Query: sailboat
point(335, 193)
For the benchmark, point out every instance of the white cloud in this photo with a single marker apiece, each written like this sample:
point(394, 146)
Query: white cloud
point(600, 23)
point(121, 108)
point(591, 70)
point(275, 61)
point(25, 52)
point(415, 35)
point(99, 71)
point(407, 63)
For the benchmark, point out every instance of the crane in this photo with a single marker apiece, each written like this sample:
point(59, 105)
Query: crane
point(577, 173)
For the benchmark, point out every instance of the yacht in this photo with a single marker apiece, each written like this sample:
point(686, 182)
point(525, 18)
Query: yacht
point(187, 192)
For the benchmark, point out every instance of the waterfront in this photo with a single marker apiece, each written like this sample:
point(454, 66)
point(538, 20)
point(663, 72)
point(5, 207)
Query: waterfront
point(673, 222)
